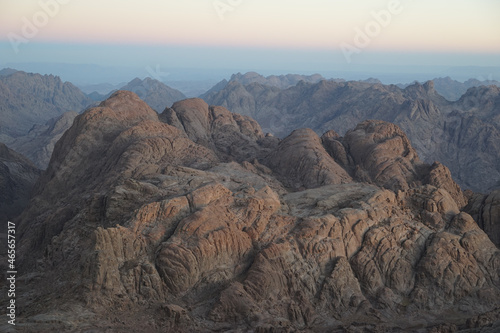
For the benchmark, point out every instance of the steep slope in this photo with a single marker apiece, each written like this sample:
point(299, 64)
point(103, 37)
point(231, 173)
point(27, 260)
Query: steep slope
point(17, 178)
point(39, 143)
point(28, 99)
point(166, 217)
point(461, 134)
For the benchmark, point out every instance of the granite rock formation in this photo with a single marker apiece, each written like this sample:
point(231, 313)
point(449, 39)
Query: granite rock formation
point(196, 221)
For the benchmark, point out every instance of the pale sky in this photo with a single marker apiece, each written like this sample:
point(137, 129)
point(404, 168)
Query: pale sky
point(356, 29)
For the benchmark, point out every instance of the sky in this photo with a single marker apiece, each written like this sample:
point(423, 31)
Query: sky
point(330, 36)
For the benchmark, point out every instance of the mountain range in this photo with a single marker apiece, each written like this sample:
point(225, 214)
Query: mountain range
point(195, 220)
point(463, 134)
point(452, 90)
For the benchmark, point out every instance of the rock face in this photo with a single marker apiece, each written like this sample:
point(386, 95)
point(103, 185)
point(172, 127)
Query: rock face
point(486, 211)
point(464, 135)
point(29, 99)
point(195, 221)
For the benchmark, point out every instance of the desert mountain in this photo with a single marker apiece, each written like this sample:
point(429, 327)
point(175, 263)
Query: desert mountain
point(194, 220)
point(28, 99)
point(463, 134)
point(452, 90)
point(39, 143)
point(278, 81)
point(155, 93)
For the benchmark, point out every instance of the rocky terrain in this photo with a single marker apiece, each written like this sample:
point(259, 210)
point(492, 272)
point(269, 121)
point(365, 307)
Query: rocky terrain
point(464, 135)
point(195, 220)
point(28, 99)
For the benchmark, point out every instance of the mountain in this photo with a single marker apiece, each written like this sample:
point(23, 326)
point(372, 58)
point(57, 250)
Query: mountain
point(7, 71)
point(278, 81)
point(28, 99)
point(156, 94)
point(462, 134)
point(39, 143)
point(452, 90)
point(194, 220)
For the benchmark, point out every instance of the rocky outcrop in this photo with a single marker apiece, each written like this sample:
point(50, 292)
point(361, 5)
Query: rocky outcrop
point(230, 135)
point(302, 162)
point(383, 153)
point(154, 216)
point(485, 209)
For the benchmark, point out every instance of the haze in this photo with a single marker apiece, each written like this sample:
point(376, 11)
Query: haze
point(400, 36)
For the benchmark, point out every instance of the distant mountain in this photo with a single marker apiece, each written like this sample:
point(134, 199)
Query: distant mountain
point(7, 71)
point(28, 99)
point(465, 135)
point(39, 143)
point(452, 90)
point(278, 81)
point(191, 88)
point(155, 93)
point(102, 88)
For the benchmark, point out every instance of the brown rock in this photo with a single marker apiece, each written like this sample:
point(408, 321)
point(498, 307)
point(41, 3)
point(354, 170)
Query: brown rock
point(485, 209)
point(384, 153)
point(134, 216)
point(302, 161)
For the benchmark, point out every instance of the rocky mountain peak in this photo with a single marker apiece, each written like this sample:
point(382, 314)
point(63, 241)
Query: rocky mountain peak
point(128, 105)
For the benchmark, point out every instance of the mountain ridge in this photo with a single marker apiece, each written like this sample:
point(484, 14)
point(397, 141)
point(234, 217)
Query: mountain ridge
point(433, 123)
point(27, 99)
